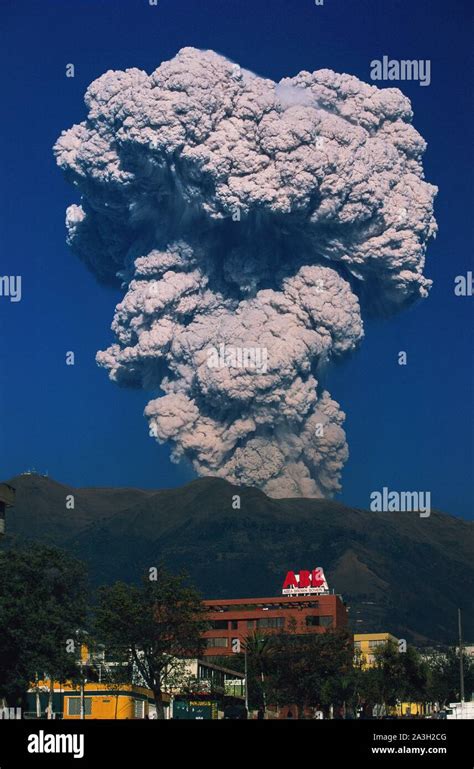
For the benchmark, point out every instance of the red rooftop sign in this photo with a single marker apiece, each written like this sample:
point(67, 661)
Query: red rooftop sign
point(305, 583)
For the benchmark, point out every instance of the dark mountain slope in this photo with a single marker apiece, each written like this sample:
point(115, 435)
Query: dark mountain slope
point(397, 571)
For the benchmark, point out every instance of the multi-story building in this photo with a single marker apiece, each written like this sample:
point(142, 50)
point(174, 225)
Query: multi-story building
point(233, 620)
point(365, 645)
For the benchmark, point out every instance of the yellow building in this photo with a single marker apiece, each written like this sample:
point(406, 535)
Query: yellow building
point(101, 701)
point(104, 700)
point(414, 709)
point(365, 645)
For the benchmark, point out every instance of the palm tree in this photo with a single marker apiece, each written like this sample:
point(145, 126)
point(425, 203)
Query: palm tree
point(259, 648)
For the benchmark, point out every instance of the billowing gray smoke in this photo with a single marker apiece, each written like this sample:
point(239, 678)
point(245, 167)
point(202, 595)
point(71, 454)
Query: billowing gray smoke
point(241, 214)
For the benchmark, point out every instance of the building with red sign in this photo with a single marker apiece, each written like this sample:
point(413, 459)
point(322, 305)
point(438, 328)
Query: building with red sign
point(234, 619)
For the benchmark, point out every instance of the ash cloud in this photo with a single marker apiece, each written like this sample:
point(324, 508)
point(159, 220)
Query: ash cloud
point(237, 211)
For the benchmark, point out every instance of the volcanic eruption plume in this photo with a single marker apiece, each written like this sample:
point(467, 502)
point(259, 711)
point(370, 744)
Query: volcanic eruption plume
point(241, 214)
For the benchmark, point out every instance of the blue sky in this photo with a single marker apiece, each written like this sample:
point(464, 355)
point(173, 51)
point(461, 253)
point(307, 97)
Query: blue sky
point(409, 428)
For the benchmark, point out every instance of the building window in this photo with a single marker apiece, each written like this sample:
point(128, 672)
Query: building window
point(234, 624)
point(318, 621)
point(325, 621)
point(251, 624)
point(357, 645)
point(74, 706)
point(213, 642)
point(270, 622)
point(210, 674)
point(202, 672)
point(219, 624)
point(379, 642)
point(139, 708)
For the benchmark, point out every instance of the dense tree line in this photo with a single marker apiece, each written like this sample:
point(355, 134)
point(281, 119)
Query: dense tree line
point(43, 603)
point(319, 672)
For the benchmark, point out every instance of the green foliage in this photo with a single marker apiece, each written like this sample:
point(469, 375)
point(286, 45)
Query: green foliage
point(306, 670)
point(42, 605)
point(149, 629)
point(395, 677)
point(260, 650)
point(444, 678)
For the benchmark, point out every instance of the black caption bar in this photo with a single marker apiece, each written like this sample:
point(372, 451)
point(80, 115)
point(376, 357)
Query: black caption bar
point(97, 743)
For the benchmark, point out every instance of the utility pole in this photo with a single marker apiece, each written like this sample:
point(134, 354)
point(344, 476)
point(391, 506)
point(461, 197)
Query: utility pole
point(80, 636)
point(82, 690)
point(461, 655)
point(246, 682)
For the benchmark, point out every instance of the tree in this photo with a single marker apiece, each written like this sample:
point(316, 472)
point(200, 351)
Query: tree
point(388, 666)
point(443, 677)
point(303, 665)
point(259, 649)
point(395, 677)
point(150, 629)
point(42, 603)
point(342, 691)
point(415, 675)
